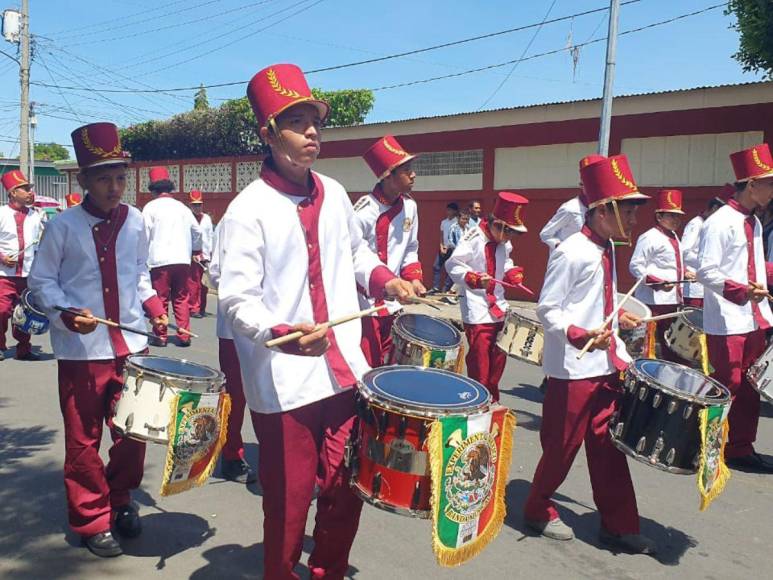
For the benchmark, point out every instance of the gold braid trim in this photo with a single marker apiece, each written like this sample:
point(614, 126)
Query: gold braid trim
point(671, 201)
point(620, 177)
point(277, 86)
point(758, 162)
point(98, 151)
point(391, 149)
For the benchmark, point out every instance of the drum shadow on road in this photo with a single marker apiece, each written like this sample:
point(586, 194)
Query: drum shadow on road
point(526, 392)
point(672, 543)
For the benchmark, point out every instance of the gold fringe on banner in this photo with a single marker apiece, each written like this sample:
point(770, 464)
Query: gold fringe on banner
point(706, 367)
point(649, 340)
point(723, 476)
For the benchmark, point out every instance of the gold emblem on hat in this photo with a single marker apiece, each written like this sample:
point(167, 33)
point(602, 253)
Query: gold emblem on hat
point(670, 201)
point(278, 88)
point(96, 150)
point(517, 215)
point(394, 150)
point(622, 178)
point(758, 162)
point(16, 175)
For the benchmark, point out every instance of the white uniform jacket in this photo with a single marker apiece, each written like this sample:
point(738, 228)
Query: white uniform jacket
point(690, 241)
point(730, 247)
point(658, 257)
point(207, 236)
point(19, 231)
point(172, 231)
point(288, 259)
point(223, 326)
point(567, 220)
point(470, 256)
point(392, 233)
point(99, 263)
point(580, 287)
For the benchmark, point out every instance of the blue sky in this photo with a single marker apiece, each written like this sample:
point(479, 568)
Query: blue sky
point(140, 44)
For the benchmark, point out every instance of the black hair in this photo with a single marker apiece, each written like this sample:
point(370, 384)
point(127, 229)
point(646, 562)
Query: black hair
point(161, 186)
point(453, 205)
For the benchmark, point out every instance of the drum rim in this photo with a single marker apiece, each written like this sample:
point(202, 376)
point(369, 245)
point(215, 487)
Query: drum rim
point(131, 361)
point(681, 394)
point(683, 318)
point(416, 340)
point(382, 505)
point(415, 410)
point(645, 460)
point(516, 312)
point(26, 303)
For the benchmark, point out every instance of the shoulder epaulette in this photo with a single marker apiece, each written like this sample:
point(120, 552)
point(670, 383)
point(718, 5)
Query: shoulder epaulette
point(361, 203)
point(470, 235)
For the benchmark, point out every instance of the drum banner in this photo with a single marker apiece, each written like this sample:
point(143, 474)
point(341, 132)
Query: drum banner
point(712, 472)
point(649, 340)
point(469, 463)
point(197, 432)
point(706, 367)
point(450, 360)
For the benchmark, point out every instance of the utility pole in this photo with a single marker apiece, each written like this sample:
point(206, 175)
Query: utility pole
point(24, 79)
point(609, 77)
point(33, 126)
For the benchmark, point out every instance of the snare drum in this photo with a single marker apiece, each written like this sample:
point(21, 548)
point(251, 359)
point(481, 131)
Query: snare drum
point(658, 420)
point(634, 338)
point(522, 336)
point(684, 336)
point(27, 317)
point(150, 383)
point(388, 453)
point(425, 341)
point(760, 374)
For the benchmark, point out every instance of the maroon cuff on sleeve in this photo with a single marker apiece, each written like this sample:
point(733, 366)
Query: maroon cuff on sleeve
point(514, 276)
point(68, 320)
point(289, 348)
point(198, 253)
point(378, 280)
point(412, 272)
point(153, 307)
point(653, 280)
point(735, 292)
point(473, 280)
point(577, 336)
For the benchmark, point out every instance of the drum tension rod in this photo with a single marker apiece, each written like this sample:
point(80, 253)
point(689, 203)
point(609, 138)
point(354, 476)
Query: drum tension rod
point(376, 485)
point(416, 496)
point(383, 421)
point(402, 427)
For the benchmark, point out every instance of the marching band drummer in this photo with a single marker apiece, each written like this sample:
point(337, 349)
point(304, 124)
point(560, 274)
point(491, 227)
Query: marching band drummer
point(20, 228)
point(482, 256)
point(94, 258)
point(657, 257)
point(577, 296)
point(693, 293)
point(197, 291)
point(389, 222)
point(292, 258)
point(736, 312)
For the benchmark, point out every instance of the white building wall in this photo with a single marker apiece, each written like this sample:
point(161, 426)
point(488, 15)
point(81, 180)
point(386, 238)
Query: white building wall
point(543, 166)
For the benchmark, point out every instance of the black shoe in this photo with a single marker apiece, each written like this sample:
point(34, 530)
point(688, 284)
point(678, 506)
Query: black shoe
point(629, 543)
point(2, 356)
point(197, 315)
point(102, 544)
point(30, 356)
point(158, 342)
point(183, 343)
point(754, 463)
point(237, 470)
point(127, 521)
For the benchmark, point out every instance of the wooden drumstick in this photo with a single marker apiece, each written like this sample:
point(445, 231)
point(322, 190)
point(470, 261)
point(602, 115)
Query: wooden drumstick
point(293, 336)
point(611, 316)
point(669, 315)
point(429, 302)
point(182, 330)
point(104, 321)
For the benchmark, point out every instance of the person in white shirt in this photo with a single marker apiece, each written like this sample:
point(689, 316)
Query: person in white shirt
point(197, 291)
point(482, 257)
point(293, 257)
point(736, 313)
point(693, 293)
point(657, 257)
point(20, 230)
point(578, 294)
point(388, 220)
point(173, 237)
point(444, 251)
point(475, 211)
point(93, 259)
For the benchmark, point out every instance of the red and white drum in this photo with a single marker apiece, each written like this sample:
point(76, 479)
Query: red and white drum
point(388, 451)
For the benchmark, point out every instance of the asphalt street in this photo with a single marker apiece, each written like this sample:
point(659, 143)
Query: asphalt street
point(216, 531)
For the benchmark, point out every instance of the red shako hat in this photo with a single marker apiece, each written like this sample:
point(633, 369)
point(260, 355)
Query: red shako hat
point(196, 196)
point(13, 179)
point(753, 163)
point(508, 209)
point(385, 155)
point(278, 87)
point(73, 199)
point(160, 173)
point(609, 179)
point(98, 144)
point(669, 201)
point(584, 162)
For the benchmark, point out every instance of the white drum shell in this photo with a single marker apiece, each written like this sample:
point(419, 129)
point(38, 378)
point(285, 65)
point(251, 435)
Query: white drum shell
point(522, 336)
point(760, 374)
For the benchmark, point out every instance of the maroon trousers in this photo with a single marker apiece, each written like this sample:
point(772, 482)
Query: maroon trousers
point(485, 360)
point(229, 364)
point(88, 391)
point(575, 411)
point(171, 282)
point(376, 340)
point(299, 449)
point(731, 356)
point(11, 288)
point(197, 292)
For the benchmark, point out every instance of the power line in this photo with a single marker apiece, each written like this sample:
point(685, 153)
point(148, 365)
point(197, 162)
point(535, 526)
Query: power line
point(61, 93)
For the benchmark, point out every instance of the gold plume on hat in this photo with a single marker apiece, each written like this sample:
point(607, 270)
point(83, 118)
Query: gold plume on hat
point(277, 86)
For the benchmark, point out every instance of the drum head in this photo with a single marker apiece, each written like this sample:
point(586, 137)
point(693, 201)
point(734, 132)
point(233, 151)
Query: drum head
point(682, 381)
point(431, 392)
point(694, 318)
point(635, 306)
point(429, 330)
point(162, 365)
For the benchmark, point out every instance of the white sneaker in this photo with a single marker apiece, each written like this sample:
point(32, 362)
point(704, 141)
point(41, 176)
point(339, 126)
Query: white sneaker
point(554, 529)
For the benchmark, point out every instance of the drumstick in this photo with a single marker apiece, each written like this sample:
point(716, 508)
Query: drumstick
point(665, 283)
point(514, 286)
point(182, 330)
point(429, 302)
point(611, 316)
point(104, 321)
point(299, 334)
point(669, 315)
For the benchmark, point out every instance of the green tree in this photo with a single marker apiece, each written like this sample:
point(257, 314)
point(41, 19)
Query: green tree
point(754, 21)
point(51, 152)
point(200, 100)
